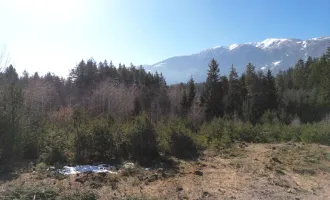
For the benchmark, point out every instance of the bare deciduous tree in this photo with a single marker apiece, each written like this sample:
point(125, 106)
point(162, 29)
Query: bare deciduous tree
point(116, 99)
point(4, 58)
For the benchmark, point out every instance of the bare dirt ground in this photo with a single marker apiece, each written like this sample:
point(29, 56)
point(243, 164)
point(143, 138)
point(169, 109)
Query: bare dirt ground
point(246, 171)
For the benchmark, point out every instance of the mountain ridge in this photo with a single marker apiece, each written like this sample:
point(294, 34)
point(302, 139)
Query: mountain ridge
point(272, 53)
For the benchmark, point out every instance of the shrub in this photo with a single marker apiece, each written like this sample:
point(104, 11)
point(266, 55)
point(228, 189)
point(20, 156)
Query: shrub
point(53, 146)
point(41, 166)
point(139, 140)
point(315, 133)
point(218, 134)
point(269, 117)
point(176, 139)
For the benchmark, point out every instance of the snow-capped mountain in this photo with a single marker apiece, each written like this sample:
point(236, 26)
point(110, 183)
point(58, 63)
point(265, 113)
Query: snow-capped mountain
point(272, 53)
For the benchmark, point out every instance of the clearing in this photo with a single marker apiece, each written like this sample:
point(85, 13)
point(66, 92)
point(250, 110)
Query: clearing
point(246, 171)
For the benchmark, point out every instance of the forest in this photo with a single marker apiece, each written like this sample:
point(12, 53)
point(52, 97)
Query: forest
point(102, 112)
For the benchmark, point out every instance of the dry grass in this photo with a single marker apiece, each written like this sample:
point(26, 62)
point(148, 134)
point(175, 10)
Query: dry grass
point(254, 171)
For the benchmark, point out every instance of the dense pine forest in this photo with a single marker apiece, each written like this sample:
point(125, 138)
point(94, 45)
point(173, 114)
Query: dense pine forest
point(103, 112)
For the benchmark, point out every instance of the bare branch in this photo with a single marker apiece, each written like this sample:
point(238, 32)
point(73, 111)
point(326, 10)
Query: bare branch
point(4, 58)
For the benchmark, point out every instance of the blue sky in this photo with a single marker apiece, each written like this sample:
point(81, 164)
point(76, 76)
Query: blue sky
point(54, 35)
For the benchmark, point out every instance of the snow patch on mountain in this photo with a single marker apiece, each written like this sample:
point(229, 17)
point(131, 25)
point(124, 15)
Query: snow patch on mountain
point(304, 43)
point(217, 47)
point(277, 62)
point(233, 46)
point(270, 43)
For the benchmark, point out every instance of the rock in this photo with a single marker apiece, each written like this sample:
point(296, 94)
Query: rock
point(199, 173)
point(221, 190)
point(279, 171)
point(243, 145)
point(276, 160)
point(205, 194)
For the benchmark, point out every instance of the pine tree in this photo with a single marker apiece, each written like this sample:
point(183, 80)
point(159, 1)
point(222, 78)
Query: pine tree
point(212, 97)
point(300, 75)
point(191, 92)
point(233, 98)
point(11, 74)
point(309, 62)
point(271, 93)
point(327, 54)
point(250, 104)
point(251, 80)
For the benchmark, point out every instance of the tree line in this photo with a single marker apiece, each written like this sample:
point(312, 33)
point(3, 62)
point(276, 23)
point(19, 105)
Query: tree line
point(106, 112)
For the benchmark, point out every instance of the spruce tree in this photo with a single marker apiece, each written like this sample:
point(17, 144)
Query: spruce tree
point(191, 92)
point(212, 97)
point(327, 54)
point(233, 100)
point(271, 93)
point(250, 103)
point(309, 61)
point(300, 75)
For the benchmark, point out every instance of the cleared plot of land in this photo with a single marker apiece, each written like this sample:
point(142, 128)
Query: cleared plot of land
point(246, 171)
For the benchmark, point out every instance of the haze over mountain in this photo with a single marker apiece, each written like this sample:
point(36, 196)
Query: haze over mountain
point(272, 53)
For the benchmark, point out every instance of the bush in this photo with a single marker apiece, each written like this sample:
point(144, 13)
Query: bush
point(217, 134)
point(140, 140)
point(315, 133)
point(103, 143)
point(41, 166)
point(54, 143)
point(176, 139)
point(269, 117)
